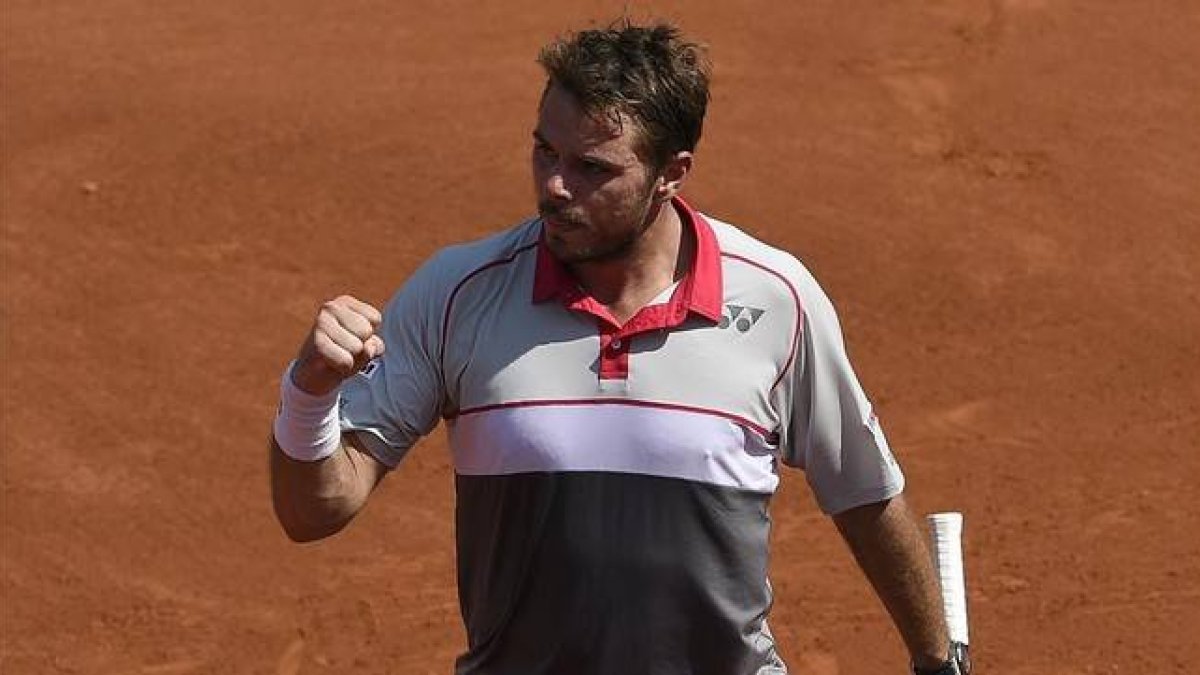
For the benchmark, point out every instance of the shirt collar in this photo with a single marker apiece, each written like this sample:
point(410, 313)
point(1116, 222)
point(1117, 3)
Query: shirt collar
point(700, 291)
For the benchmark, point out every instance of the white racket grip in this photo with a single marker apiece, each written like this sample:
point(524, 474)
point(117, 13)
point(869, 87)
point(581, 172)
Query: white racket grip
point(945, 530)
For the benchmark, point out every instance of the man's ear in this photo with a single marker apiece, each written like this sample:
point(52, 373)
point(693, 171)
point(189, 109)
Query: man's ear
point(676, 171)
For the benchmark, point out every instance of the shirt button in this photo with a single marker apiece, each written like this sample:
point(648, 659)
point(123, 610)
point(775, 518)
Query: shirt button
point(616, 344)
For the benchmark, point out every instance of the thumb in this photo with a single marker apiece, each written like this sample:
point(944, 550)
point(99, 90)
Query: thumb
point(374, 347)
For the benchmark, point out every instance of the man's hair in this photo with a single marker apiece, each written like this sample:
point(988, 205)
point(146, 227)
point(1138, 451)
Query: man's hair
point(649, 73)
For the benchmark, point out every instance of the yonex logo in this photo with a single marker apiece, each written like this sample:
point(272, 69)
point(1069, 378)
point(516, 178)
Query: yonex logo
point(740, 317)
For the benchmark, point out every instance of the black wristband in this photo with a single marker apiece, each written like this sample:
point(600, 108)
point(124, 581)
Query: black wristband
point(959, 663)
point(947, 668)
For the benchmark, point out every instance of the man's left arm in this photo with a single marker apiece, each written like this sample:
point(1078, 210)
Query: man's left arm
point(889, 545)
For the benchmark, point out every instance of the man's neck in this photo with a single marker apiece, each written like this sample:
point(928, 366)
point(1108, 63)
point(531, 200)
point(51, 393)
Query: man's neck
point(659, 258)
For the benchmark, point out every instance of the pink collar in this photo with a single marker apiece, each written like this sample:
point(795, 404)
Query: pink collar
point(700, 291)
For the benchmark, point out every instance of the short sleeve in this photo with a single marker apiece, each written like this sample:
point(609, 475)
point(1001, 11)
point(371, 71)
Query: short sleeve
point(832, 432)
point(397, 398)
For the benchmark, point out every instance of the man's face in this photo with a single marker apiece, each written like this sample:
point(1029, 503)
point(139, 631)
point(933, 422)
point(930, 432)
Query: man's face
point(595, 193)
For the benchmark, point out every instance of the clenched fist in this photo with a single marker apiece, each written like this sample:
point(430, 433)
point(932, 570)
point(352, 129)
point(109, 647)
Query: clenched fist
point(342, 341)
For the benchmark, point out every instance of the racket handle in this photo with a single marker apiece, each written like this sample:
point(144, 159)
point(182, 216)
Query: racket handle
point(945, 531)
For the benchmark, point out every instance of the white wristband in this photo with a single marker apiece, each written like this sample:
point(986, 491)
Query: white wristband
point(307, 427)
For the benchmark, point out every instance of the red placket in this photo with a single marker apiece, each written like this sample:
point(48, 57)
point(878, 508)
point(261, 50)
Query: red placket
point(616, 340)
point(614, 353)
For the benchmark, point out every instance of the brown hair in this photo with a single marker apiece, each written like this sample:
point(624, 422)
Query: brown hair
point(650, 73)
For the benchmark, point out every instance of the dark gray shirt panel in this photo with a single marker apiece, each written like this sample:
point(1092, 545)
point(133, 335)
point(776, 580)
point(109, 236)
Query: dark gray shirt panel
point(600, 573)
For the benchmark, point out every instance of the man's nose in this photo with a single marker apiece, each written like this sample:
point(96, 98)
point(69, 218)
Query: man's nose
point(556, 187)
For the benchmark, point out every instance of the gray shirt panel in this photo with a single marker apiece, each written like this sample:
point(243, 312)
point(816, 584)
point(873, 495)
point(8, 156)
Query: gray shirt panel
point(602, 573)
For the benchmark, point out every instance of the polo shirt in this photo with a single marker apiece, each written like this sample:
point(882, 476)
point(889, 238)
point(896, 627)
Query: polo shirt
point(613, 480)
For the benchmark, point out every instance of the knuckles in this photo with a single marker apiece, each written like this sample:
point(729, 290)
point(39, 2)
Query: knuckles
point(351, 314)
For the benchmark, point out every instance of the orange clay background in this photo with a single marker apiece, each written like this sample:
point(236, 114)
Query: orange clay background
point(1001, 197)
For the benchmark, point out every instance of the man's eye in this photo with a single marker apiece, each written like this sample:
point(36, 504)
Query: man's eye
point(594, 167)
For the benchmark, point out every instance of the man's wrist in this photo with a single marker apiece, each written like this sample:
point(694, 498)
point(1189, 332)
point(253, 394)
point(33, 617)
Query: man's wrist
point(316, 379)
point(307, 427)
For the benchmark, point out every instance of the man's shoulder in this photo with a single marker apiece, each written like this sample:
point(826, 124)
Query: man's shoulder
point(738, 245)
point(767, 263)
point(432, 284)
point(451, 265)
point(468, 256)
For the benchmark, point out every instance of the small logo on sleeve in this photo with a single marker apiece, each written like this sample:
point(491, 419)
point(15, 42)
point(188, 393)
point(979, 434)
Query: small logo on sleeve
point(740, 317)
point(881, 440)
point(368, 371)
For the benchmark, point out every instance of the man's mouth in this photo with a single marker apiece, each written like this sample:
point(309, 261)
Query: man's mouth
point(556, 221)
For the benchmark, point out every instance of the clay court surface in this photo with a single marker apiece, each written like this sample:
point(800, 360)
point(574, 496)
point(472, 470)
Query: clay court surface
point(1003, 199)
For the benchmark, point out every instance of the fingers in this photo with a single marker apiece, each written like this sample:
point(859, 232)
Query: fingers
point(342, 341)
point(374, 347)
point(349, 324)
point(345, 329)
point(361, 308)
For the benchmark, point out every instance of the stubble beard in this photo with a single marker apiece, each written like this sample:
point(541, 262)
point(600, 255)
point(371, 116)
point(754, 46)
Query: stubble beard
point(600, 252)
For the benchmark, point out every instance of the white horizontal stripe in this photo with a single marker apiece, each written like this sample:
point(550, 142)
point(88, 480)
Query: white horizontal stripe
point(612, 437)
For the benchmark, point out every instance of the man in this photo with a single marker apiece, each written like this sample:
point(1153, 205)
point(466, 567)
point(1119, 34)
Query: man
point(620, 378)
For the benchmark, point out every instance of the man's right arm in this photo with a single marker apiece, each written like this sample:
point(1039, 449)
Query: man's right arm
point(316, 499)
point(320, 478)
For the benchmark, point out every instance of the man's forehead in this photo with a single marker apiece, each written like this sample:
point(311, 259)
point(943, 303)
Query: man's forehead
point(561, 119)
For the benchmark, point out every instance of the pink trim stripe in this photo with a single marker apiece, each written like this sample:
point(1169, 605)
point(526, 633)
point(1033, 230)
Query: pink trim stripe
point(454, 295)
point(799, 311)
point(741, 421)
